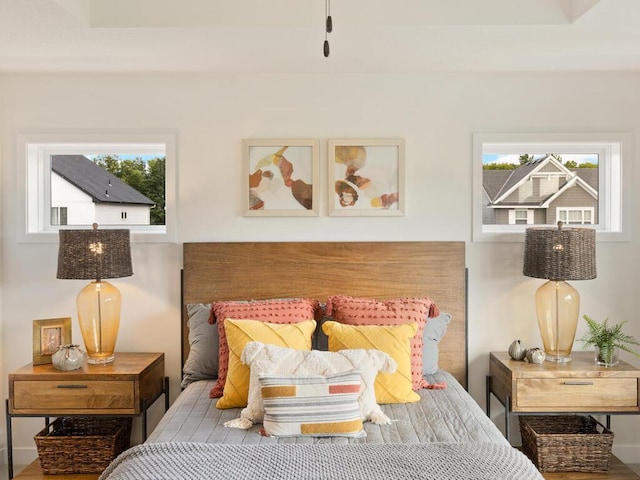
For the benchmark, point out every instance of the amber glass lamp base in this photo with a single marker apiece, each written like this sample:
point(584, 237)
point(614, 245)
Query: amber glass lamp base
point(99, 317)
point(557, 307)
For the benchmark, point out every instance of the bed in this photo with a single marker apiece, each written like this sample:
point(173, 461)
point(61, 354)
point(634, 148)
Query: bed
point(436, 431)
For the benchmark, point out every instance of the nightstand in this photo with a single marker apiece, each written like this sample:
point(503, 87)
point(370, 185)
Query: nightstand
point(579, 386)
point(126, 387)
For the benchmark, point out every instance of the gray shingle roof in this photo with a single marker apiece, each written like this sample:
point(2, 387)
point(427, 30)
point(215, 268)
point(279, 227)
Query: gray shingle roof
point(589, 175)
point(496, 182)
point(493, 181)
point(518, 174)
point(101, 185)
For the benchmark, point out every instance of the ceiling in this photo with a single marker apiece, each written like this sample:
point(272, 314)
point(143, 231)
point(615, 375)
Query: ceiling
point(286, 36)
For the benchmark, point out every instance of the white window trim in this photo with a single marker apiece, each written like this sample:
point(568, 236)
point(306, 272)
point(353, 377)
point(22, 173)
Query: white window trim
point(34, 181)
point(614, 210)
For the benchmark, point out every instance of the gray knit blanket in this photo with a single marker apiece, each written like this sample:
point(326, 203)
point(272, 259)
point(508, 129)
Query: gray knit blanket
point(446, 461)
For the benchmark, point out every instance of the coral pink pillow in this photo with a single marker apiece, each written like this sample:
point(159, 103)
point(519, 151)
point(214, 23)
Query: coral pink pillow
point(282, 311)
point(397, 311)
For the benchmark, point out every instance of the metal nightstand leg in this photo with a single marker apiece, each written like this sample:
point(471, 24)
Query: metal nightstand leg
point(487, 392)
point(9, 439)
point(507, 417)
point(166, 394)
point(144, 407)
point(507, 407)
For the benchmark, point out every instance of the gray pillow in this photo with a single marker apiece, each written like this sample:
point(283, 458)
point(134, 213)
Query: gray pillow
point(202, 362)
point(434, 330)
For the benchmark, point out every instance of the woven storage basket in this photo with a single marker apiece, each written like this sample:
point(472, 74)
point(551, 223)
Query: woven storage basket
point(566, 443)
point(82, 444)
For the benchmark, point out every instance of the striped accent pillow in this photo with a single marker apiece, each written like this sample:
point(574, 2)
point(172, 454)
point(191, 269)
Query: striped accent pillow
point(315, 406)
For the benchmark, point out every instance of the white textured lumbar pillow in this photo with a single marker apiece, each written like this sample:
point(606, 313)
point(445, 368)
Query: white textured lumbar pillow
point(264, 359)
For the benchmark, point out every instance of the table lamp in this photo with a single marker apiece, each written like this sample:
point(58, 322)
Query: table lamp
point(559, 254)
point(95, 255)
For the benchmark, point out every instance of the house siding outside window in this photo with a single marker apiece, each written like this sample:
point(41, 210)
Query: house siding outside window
point(574, 199)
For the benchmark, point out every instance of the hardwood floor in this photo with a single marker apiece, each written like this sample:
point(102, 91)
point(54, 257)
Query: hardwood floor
point(618, 471)
point(33, 472)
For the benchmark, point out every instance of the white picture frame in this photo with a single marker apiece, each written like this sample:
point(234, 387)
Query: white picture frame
point(282, 177)
point(366, 177)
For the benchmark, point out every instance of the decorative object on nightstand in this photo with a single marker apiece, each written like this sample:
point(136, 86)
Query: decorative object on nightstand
point(68, 357)
point(607, 340)
point(48, 335)
point(95, 255)
point(534, 355)
point(559, 254)
point(517, 350)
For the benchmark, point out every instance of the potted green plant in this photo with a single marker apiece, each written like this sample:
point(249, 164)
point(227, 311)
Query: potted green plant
point(607, 340)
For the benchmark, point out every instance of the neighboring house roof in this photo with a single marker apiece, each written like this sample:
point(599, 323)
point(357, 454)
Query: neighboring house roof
point(494, 180)
point(500, 184)
point(589, 175)
point(517, 177)
point(102, 186)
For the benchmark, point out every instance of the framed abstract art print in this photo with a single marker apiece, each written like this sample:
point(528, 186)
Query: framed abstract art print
point(366, 177)
point(282, 177)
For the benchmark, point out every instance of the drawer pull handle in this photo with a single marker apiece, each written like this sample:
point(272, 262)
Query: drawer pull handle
point(71, 386)
point(578, 383)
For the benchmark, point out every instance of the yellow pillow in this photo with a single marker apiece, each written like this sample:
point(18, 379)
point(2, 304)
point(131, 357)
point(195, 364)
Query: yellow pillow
point(394, 340)
point(241, 332)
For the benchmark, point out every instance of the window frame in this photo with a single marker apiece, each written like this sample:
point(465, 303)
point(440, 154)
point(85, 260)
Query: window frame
point(582, 210)
point(615, 157)
point(528, 216)
point(33, 152)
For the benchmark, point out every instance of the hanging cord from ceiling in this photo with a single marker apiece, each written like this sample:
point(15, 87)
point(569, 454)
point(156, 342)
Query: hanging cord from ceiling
point(328, 26)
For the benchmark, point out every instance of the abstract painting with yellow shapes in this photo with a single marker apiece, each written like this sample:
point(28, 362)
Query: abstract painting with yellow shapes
point(366, 177)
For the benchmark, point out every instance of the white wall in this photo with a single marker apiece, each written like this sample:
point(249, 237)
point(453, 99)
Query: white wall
point(436, 115)
point(2, 367)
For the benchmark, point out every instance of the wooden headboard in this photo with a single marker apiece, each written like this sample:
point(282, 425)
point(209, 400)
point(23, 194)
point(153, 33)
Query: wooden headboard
point(263, 270)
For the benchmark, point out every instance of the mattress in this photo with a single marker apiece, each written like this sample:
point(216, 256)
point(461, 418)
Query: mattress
point(441, 416)
point(443, 436)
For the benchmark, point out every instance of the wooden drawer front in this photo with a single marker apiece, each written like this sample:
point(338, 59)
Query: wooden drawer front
point(73, 395)
point(603, 393)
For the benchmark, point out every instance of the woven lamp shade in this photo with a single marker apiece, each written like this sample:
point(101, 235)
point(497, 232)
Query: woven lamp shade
point(94, 254)
point(560, 253)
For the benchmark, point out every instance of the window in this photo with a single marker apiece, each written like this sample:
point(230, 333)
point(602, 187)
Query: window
point(117, 181)
point(520, 217)
point(577, 216)
point(525, 180)
point(58, 215)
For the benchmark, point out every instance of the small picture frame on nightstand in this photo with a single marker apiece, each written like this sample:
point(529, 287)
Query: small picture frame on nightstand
point(48, 335)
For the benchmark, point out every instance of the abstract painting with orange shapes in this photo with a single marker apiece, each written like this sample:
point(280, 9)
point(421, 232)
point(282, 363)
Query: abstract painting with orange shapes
point(282, 177)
